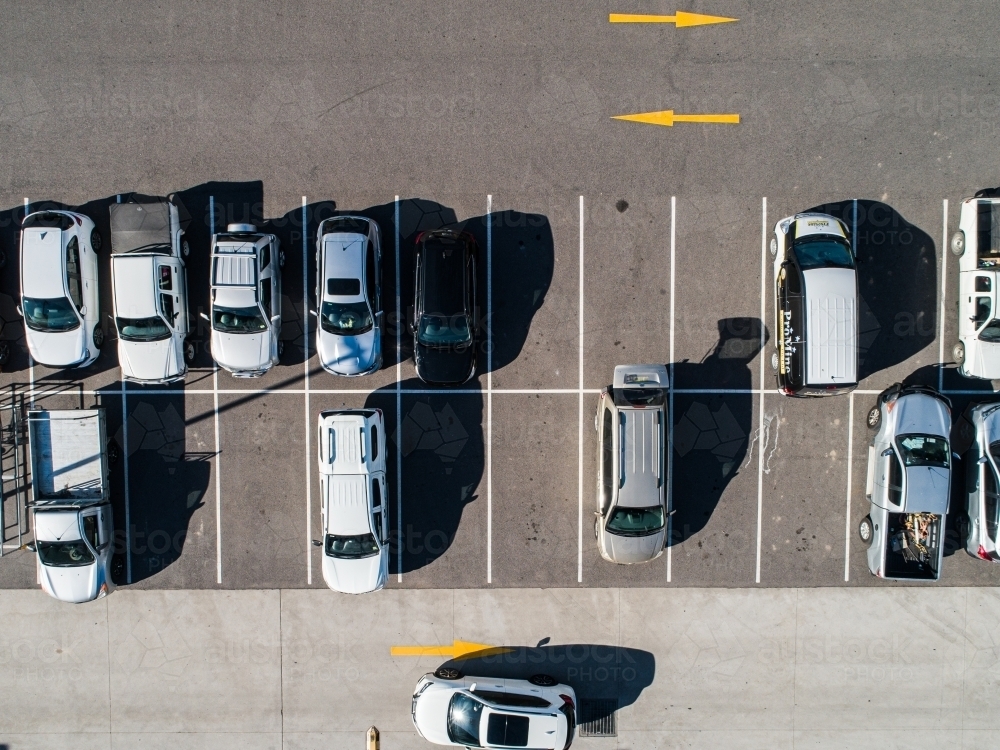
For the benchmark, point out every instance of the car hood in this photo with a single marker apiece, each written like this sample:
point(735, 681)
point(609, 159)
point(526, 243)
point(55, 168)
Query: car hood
point(927, 490)
point(356, 576)
point(431, 714)
point(444, 366)
point(634, 549)
point(348, 355)
point(922, 414)
point(983, 360)
point(73, 585)
point(60, 349)
point(149, 360)
point(241, 351)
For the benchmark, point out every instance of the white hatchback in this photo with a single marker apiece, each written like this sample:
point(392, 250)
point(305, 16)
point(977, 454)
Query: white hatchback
point(354, 510)
point(59, 288)
point(977, 243)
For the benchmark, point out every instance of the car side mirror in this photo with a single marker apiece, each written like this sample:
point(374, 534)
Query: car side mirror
point(176, 315)
point(956, 456)
point(317, 543)
point(30, 546)
point(205, 317)
point(887, 452)
point(83, 311)
point(982, 460)
point(20, 311)
point(274, 321)
point(598, 514)
point(314, 313)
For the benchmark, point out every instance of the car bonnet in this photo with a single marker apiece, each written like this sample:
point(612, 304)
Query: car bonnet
point(75, 585)
point(241, 351)
point(634, 549)
point(431, 714)
point(919, 413)
point(148, 360)
point(356, 576)
point(348, 354)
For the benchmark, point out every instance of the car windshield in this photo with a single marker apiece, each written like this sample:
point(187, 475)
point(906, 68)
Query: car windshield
point(439, 330)
point(346, 318)
point(142, 329)
point(50, 314)
point(823, 253)
point(464, 714)
point(924, 450)
point(636, 521)
point(238, 320)
point(640, 397)
point(65, 554)
point(991, 333)
point(351, 547)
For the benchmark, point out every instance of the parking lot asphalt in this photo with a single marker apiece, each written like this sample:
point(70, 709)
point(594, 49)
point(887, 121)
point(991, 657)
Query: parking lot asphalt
point(604, 243)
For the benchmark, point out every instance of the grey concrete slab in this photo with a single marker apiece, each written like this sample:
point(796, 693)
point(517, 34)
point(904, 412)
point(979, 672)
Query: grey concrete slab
point(48, 647)
point(197, 740)
point(706, 738)
point(87, 740)
point(170, 651)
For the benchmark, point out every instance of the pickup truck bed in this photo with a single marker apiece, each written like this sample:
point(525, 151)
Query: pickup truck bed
point(913, 546)
point(67, 455)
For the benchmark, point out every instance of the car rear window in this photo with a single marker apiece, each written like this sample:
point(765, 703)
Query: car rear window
point(343, 287)
point(507, 730)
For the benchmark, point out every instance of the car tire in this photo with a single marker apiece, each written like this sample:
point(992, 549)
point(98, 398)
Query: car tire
point(597, 522)
point(98, 336)
point(281, 259)
point(3, 259)
point(958, 353)
point(4, 353)
point(113, 451)
point(96, 243)
point(118, 569)
point(866, 531)
point(185, 248)
point(774, 361)
point(773, 247)
point(958, 243)
point(281, 348)
point(189, 352)
point(542, 680)
point(874, 417)
point(447, 673)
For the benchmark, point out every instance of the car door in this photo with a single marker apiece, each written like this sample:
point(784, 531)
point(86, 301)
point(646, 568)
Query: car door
point(380, 509)
point(975, 294)
point(166, 288)
point(181, 298)
point(88, 263)
point(606, 459)
point(889, 481)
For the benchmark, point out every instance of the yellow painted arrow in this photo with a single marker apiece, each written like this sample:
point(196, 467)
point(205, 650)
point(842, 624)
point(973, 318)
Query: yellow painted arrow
point(679, 19)
point(457, 650)
point(668, 118)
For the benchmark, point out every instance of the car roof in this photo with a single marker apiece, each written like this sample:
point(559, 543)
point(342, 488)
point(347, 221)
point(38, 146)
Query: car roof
point(236, 269)
point(42, 262)
point(344, 258)
point(134, 286)
point(831, 325)
point(346, 499)
point(443, 261)
point(136, 226)
point(344, 443)
point(641, 436)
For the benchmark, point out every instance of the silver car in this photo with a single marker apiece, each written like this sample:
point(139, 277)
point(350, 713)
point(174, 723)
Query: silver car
point(349, 295)
point(982, 483)
point(630, 523)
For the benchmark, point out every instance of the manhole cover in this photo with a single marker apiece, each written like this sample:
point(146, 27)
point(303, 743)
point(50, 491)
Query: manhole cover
point(598, 718)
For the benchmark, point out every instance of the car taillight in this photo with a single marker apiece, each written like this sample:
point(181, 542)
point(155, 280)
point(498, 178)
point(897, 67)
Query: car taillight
point(983, 554)
point(78, 220)
point(378, 411)
point(568, 700)
point(787, 391)
point(419, 237)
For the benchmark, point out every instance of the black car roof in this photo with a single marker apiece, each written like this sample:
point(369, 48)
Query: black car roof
point(444, 275)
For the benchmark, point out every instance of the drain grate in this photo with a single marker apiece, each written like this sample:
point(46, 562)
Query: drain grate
point(598, 718)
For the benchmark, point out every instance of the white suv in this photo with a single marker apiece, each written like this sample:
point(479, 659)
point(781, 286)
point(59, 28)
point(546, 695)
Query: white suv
point(977, 243)
point(59, 288)
point(149, 288)
point(354, 510)
point(246, 300)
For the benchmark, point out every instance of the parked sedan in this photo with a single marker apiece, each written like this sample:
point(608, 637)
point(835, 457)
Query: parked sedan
point(449, 709)
point(443, 316)
point(59, 288)
point(349, 295)
point(982, 483)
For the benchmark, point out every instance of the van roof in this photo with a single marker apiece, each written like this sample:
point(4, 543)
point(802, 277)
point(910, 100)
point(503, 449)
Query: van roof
point(640, 456)
point(345, 444)
point(831, 326)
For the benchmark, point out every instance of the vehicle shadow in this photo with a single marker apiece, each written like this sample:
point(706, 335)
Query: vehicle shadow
point(441, 444)
point(12, 340)
point(897, 283)
point(167, 482)
point(711, 433)
point(596, 672)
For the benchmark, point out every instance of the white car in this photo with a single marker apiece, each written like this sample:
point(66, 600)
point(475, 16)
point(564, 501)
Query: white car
point(246, 300)
point(349, 295)
point(354, 510)
point(149, 288)
point(982, 483)
point(59, 288)
point(449, 709)
point(977, 243)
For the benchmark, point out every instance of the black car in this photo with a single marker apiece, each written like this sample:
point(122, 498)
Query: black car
point(443, 316)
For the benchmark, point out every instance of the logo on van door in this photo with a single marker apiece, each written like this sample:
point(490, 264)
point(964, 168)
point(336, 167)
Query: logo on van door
point(787, 342)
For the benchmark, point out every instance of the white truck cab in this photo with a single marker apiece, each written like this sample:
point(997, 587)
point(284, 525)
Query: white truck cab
point(71, 506)
point(977, 243)
point(59, 288)
point(355, 511)
point(246, 300)
point(149, 288)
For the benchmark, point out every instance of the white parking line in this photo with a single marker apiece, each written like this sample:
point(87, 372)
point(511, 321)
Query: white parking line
point(944, 288)
point(670, 409)
point(218, 439)
point(489, 389)
point(399, 411)
point(760, 407)
point(850, 479)
point(305, 348)
point(579, 523)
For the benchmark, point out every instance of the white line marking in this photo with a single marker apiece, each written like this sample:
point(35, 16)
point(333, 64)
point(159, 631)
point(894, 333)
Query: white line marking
point(579, 522)
point(944, 288)
point(128, 505)
point(670, 410)
point(399, 412)
point(305, 347)
point(850, 479)
point(760, 408)
point(489, 389)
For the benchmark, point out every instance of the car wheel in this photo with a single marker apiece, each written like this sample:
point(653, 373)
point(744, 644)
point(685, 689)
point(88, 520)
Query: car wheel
point(597, 522)
point(958, 243)
point(114, 452)
point(3, 259)
point(95, 241)
point(958, 353)
point(542, 680)
point(774, 361)
point(281, 348)
point(774, 247)
point(447, 673)
point(98, 336)
point(185, 248)
point(874, 418)
point(866, 531)
point(189, 352)
point(281, 259)
point(4, 353)
point(118, 569)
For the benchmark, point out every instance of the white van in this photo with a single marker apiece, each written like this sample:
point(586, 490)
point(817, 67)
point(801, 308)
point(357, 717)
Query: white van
point(977, 243)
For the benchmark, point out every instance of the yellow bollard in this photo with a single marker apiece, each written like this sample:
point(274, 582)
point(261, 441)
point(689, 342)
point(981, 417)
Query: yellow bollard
point(373, 741)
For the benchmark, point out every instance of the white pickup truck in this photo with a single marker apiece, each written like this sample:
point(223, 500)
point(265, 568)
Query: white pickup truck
point(71, 504)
